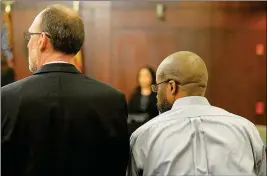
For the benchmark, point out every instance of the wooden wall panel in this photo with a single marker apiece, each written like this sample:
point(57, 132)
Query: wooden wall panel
point(134, 49)
point(186, 27)
point(146, 18)
point(237, 72)
point(97, 40)
point(223, 34)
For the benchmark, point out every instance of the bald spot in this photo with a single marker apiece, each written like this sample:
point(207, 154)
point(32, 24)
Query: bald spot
point(65, 11)
point(62, 11)
point(188, 69)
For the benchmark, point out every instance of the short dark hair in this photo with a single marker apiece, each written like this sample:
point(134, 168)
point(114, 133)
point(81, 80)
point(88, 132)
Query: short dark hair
point(65, 27)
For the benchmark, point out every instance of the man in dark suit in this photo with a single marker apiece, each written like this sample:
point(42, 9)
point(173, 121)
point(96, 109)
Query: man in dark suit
point(58, 122)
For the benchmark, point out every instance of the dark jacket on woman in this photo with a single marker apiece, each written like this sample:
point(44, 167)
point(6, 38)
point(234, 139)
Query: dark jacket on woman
point(134, 107)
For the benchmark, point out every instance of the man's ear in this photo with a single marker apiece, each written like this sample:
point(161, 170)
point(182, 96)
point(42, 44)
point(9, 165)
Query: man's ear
point(173, 87)
point(43, 42)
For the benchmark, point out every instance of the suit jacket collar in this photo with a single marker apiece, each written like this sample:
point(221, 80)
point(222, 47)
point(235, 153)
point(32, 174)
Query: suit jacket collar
point(57, 67)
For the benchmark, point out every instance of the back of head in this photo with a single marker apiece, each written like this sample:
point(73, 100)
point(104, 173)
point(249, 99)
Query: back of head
point(65, 27)
point(188, 69)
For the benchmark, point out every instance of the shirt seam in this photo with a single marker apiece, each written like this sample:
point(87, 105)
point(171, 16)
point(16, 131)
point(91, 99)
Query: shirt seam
point(167, 120)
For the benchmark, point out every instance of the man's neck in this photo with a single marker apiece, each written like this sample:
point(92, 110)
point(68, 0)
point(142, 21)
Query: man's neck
point(54, 58)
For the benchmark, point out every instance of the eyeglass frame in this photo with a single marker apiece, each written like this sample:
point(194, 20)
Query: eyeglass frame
point(28, 34)
point(154, 87)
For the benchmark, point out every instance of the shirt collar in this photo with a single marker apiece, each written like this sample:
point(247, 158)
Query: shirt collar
point(191, 100)
point(55, 62)
point(57, 67)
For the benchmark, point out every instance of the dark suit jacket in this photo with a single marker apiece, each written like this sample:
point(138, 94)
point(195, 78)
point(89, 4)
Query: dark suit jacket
point(58, 122)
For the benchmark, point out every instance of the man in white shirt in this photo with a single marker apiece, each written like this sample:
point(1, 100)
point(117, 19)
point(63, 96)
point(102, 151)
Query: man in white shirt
point(191, 137)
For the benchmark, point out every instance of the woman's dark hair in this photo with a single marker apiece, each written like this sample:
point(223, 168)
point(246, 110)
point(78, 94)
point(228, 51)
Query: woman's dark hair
point(153, 76)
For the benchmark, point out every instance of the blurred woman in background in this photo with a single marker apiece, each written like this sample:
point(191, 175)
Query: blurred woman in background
point(142, 105)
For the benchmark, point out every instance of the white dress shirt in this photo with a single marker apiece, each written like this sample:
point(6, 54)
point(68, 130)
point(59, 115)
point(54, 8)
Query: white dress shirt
point(195, 138)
